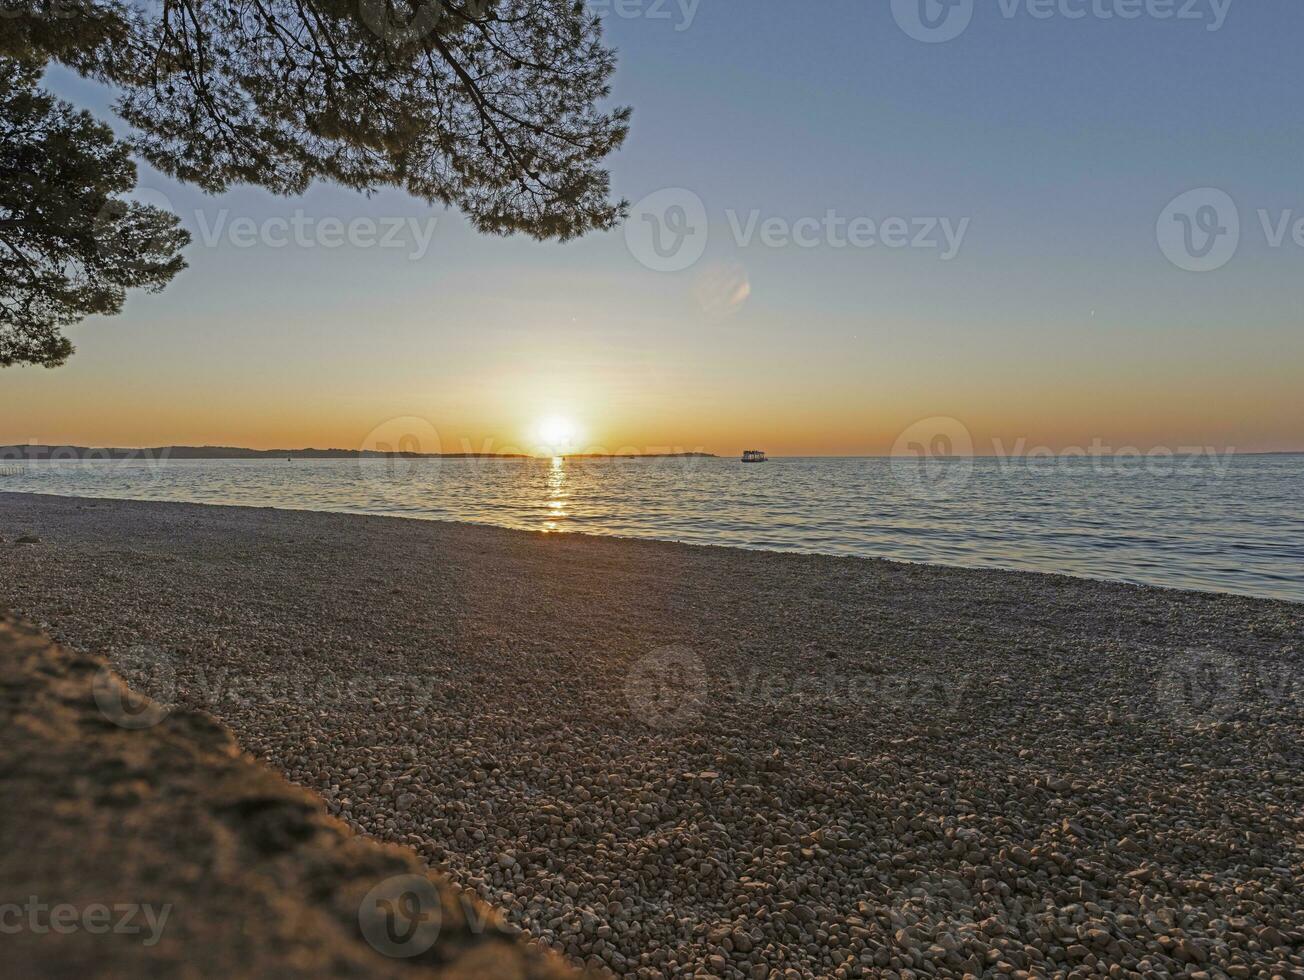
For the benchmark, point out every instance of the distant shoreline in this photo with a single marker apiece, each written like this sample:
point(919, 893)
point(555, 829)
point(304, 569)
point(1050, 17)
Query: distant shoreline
point(37, 453)
point(50, 453)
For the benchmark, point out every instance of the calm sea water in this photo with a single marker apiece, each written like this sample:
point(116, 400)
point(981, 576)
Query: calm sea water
point(1233, 524)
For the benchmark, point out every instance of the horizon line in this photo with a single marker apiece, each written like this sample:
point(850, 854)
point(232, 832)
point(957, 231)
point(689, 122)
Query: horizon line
point(24, 448)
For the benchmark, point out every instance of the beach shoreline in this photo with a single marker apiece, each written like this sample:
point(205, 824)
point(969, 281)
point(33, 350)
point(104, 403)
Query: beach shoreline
point(972, 563)
point(1230, 530)
point(663, 758)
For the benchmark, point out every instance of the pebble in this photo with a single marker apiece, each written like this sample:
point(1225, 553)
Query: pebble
point(985, 781)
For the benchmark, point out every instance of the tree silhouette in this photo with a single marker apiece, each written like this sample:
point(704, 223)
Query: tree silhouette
point(488, 105)
point(69, 245)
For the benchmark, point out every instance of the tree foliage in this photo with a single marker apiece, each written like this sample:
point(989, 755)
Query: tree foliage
point(70, 245)
point(493, 106)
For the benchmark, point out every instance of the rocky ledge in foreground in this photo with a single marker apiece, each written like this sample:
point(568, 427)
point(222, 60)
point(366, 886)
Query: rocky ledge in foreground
point(161, 850)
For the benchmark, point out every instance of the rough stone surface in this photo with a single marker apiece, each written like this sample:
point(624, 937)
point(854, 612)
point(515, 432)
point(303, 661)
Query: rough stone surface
point(678, 761)
point(242, 873)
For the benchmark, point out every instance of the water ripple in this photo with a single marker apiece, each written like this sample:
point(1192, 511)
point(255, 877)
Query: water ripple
point(1234, 529)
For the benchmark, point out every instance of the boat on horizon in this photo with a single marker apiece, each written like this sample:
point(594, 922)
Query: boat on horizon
point(755, 456)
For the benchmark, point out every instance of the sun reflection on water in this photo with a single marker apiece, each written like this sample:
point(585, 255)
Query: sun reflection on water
point(557, 494)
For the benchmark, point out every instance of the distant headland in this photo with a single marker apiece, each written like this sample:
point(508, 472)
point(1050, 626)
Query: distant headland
point(42, 452)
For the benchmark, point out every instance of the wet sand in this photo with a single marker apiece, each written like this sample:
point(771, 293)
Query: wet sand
point(668, 759)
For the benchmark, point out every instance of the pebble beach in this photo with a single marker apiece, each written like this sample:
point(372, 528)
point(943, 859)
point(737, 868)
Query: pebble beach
point(671, 760)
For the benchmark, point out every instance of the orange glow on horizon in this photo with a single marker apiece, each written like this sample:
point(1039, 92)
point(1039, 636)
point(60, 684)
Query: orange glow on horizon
point(544, 400)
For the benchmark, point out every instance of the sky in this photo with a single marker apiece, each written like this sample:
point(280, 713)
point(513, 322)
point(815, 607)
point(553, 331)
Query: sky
point(1047, 223)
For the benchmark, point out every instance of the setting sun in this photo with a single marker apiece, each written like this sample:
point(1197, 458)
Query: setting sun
point(556, 435)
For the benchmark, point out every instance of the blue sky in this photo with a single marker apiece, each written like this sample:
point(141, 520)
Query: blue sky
point(1058, 140)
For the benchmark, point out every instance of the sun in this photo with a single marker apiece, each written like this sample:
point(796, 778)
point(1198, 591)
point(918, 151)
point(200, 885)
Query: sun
point(556, 435)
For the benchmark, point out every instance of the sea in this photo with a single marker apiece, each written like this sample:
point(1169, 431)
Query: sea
point(1224, 523)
